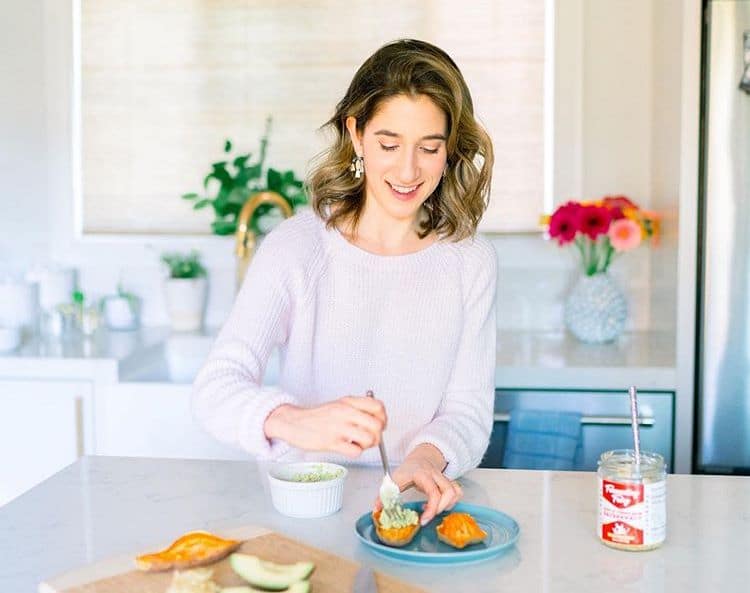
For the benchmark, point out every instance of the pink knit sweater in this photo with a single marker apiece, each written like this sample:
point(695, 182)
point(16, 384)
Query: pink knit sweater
point(418, 329)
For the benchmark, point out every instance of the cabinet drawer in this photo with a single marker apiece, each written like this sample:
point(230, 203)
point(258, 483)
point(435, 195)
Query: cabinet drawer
point(45, 425)
point(605, 420)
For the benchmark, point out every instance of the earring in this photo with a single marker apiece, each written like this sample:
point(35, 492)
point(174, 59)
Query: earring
point(445, 172)
point(357, 166)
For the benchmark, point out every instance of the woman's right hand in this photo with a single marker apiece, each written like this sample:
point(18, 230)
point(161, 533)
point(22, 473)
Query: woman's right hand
point(348, 425)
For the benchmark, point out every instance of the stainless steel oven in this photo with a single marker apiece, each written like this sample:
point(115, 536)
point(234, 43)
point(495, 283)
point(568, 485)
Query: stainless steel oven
point(605, 419)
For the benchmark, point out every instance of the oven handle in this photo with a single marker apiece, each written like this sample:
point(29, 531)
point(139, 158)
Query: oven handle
point(612, 420)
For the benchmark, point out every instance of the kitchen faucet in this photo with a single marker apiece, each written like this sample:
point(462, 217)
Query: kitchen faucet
point(245, 237)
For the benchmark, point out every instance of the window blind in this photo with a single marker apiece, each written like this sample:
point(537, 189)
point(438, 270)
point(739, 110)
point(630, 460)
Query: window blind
point(163, 84)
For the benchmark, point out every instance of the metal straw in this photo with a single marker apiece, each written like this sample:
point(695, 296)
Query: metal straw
point(634, 421)
point(381, 446)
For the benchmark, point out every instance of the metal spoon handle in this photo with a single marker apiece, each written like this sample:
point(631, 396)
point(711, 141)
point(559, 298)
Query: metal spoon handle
point(632, 392)
point(381, 445)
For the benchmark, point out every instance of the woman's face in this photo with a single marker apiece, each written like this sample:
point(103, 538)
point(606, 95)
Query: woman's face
point(404, 152)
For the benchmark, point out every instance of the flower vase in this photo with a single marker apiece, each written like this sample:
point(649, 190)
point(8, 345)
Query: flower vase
point(596, 309)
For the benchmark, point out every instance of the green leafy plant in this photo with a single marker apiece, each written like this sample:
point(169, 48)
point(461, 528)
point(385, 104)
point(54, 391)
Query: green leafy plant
point(131, 298)
point(127, 295)
point(182, 265)
point(121, 293)
point(240, 179)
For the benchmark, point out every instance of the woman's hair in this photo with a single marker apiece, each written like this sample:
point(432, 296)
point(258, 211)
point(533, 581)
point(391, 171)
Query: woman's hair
point(410, 68)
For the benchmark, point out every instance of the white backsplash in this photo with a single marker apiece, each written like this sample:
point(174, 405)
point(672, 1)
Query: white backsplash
point(534, 277)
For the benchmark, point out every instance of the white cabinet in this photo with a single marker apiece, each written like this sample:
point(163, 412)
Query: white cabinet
point(153, 420)
point(45, 426)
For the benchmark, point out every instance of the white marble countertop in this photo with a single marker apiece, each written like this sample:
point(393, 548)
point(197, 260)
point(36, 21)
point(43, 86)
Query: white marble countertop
point(555, 360)
point(105, 351)
point(525, 360)
point(102, 507)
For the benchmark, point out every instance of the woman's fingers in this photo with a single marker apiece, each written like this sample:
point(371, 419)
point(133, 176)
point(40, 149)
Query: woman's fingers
point(426, 483)
point(449, 495)
point(458, 494)
point(363, 419)
point(369, 423)
point(442, 494)
point(359, 436)
point(370, 406)
point(347, 425)
point(348, 449)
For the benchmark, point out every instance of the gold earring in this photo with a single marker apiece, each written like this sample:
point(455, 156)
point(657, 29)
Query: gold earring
point(357, 166)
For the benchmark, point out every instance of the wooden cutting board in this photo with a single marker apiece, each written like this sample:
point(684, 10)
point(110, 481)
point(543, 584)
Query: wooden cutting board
point(333, 574)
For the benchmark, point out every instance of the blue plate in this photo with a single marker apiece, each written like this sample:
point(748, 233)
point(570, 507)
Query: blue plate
point(426, 548)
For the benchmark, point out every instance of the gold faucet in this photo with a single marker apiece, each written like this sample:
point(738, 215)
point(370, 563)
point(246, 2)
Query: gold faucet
point(245, 237)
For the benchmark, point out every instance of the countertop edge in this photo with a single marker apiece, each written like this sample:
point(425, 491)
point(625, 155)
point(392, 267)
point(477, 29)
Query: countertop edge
point(595, 378)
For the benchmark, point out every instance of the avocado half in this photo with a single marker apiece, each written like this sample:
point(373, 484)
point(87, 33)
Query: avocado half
point(271, 576)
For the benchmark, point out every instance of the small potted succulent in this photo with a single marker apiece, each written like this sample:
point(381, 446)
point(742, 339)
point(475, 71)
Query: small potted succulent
point(185, 290)
point(121, 310)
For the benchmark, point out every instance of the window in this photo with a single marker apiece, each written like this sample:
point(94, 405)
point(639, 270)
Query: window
point(164, 84)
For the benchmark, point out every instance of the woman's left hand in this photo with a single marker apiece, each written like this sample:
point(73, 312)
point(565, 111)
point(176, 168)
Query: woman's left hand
point(423, 469)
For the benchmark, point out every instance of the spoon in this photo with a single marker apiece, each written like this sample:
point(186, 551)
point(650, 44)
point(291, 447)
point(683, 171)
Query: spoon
point(389, 491)
point(633, 393)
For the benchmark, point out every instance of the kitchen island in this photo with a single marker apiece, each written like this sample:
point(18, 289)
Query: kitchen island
point(103, 507)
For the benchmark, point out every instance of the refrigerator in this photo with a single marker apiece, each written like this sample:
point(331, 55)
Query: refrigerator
point(722, 443)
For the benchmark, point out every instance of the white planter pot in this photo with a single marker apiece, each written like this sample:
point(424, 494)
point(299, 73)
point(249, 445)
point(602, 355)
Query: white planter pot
point(120, 313)
point(186, 302)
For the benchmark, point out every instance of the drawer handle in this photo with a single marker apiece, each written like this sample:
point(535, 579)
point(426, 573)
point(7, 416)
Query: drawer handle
point(613, 420)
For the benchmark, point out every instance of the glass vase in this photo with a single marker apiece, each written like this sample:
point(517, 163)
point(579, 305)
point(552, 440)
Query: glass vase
point(596, 309)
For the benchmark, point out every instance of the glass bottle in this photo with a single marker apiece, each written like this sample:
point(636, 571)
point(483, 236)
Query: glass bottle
point(632, 500)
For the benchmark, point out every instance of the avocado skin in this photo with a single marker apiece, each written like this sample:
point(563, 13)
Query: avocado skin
point(270, 576)
point(298, 587)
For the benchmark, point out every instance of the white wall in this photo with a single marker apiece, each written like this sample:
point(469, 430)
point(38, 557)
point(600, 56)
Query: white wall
point(605, 113)
point(668, 153)
point(24, 197)
point(617, 109)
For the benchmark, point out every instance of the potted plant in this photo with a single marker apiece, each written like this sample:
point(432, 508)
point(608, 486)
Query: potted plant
point(237, 179)
point(121, 310)
point(601, 230)
point(186, 290)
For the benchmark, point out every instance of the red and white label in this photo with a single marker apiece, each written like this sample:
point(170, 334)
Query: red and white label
point(632, 514)
point(621, 494)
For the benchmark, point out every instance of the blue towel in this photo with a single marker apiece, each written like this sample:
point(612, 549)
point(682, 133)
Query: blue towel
point(540, 439)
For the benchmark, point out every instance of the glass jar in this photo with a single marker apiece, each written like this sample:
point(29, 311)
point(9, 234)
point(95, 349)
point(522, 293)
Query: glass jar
point(88, 320)
point(632, 500)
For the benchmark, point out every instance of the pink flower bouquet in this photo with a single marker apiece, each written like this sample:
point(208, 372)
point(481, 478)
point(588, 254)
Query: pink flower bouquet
point(602, 229)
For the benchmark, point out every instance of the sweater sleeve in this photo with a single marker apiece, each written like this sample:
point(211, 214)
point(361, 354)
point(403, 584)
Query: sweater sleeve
point(228, 398)
point(462, 425)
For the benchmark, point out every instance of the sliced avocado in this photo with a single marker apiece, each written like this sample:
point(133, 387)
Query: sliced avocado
point(269, 575)
point(298, 587)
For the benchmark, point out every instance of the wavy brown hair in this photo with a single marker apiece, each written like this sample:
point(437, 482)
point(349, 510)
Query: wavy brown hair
point(408, 67)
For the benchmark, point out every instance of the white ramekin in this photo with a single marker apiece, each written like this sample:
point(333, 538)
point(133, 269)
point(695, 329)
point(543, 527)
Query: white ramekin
point(306, 499)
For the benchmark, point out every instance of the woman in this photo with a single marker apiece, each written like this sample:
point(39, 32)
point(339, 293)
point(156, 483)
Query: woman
point(382, 287)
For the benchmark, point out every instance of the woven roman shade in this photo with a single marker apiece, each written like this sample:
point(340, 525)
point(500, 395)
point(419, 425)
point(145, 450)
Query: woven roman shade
point(163, 84)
